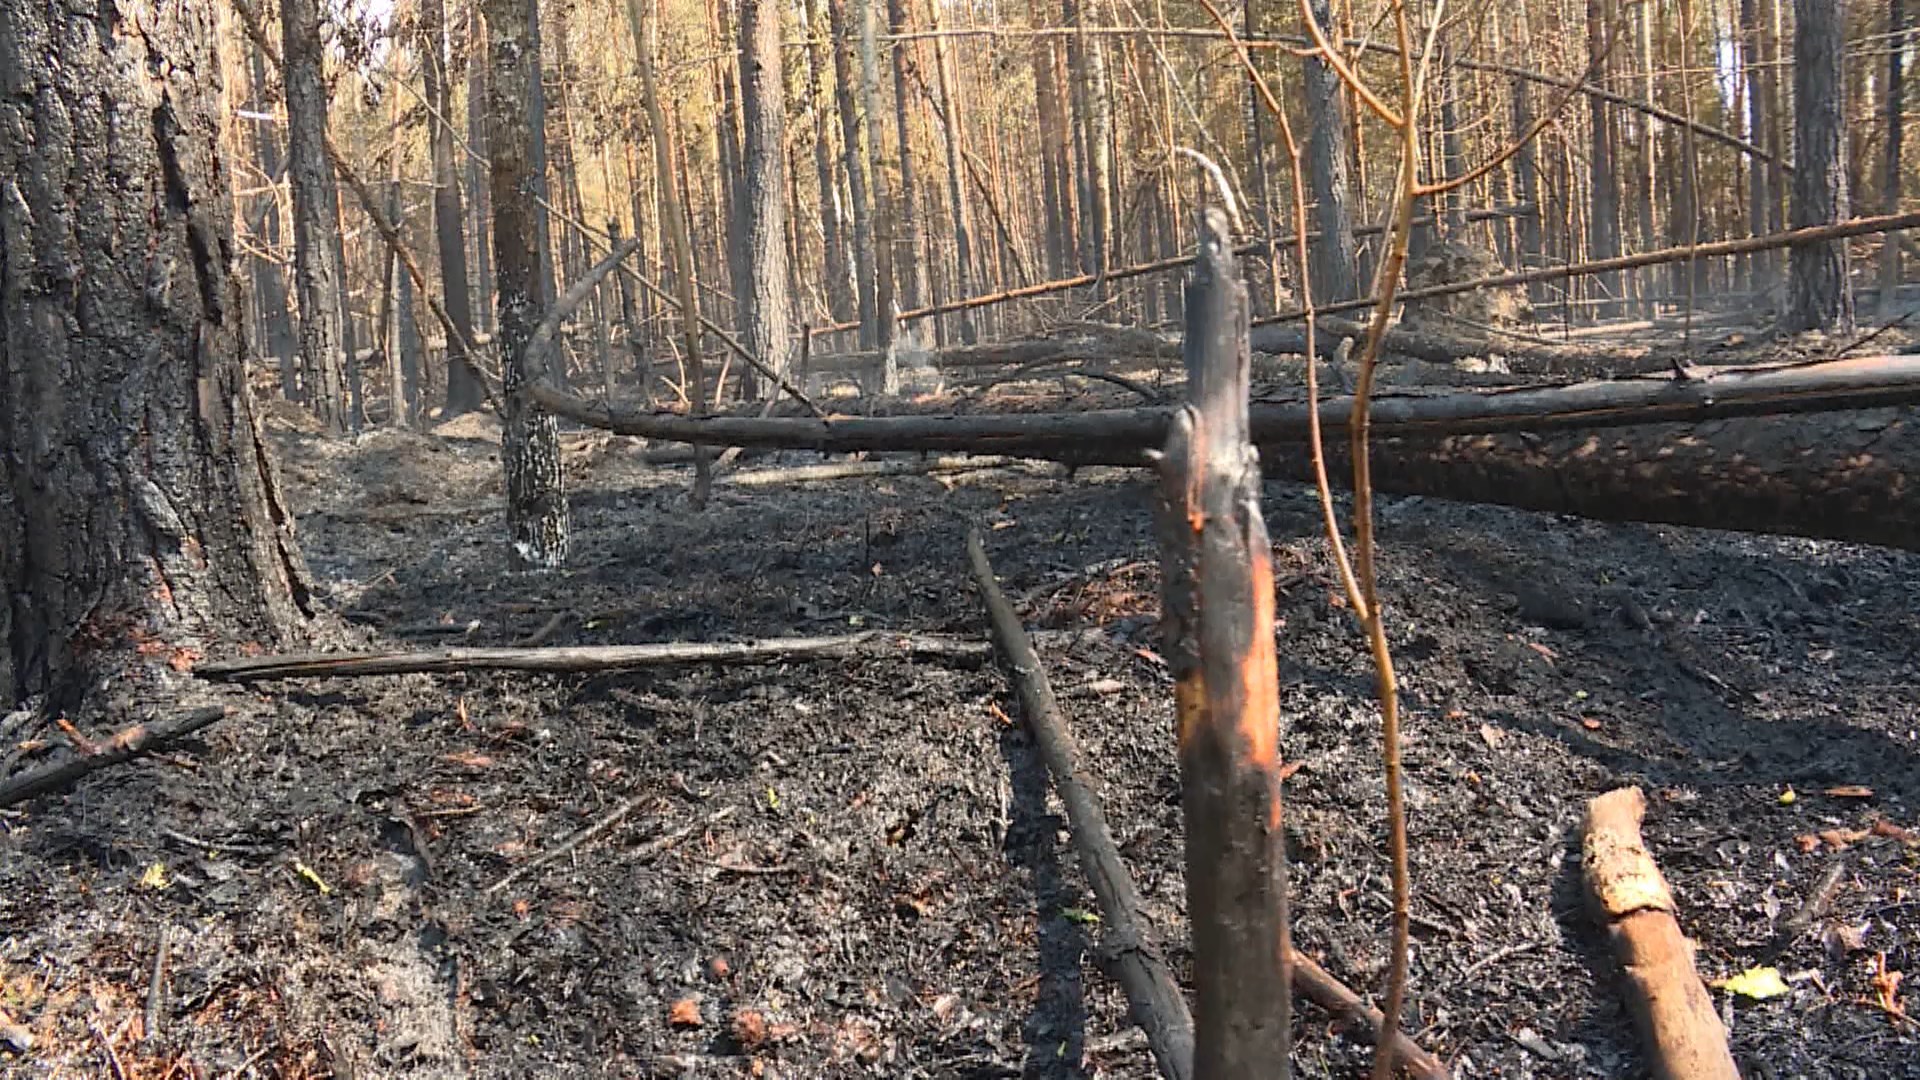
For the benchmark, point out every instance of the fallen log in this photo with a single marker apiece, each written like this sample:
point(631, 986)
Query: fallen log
point(1120, 436)
point(585, 658)
point(1840, 476)
point(1106, 870)
point(1157, 1004)
point(1589, 360)
point(128, 743)
point(848, 470)
point(1684, 1035)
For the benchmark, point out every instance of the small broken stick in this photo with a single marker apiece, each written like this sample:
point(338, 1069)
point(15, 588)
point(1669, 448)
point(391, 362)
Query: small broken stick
point(126, 744)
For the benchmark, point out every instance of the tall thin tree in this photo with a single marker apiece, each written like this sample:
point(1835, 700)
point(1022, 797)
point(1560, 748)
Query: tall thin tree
point(318, 275)
point(530, 445)
point(766, 307)
point(1817, 293)
point(464, 393)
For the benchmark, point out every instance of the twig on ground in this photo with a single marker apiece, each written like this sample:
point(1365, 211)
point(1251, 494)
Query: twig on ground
point(585, 835)
point(1498, 956)
point(128, 743)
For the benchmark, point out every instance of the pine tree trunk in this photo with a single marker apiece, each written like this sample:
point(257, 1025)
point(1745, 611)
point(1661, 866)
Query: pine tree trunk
point(171, 528)
point(536, 497)
point(906, 205)
point(463, 391)
point(854, 152)
point(1603, 217)
point(1087, 57)
point(1526, 189)
point(1896, 133)
point(1055, 167)
point(841, 304)
point(1759, 177)
point(1817, 292)
point(767, 307)
point(316, 216)
point(1334, 256)
point(278, 337)
point(888, 206)
point(956, 189)
point(536, 96)
point(480, 282)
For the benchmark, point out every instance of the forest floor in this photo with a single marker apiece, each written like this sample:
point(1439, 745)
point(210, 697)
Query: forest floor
point(857, 868)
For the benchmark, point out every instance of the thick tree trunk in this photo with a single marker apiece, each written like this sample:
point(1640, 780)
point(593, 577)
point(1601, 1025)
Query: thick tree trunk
point(766, 307)
point(463, 390)
point(536, 497)
point(1333, 258)
point(854, 152)
point(316, 216)
point(1896, 132)
point(1817, 292)
point(136, 497)
point(1840, 476)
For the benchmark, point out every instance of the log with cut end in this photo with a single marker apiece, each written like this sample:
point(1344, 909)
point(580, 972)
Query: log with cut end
point(1836, 476)
point(1685, 1038)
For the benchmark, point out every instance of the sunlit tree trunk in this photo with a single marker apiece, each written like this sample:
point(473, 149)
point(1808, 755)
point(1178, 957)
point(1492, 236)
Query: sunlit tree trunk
point(1817, 293)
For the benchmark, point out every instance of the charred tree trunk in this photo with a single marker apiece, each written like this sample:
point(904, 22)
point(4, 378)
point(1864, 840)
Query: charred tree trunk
point(956, 191)
point(278, 337)
point(1817, 292)
point(1603, 209)
point(766, 305)
point(912, 276)
point(854, 148)
point(536, 111)
point(1087, 56)
point(536, 497)
point(1896, 133)
point(887, 205)
point(478, 205)
point(1831, 475)
point(463, 390)
point(316, 217)
point(637, 352)
point(1055, 161)
point(1526, 188)
point(118, 301)
point(1334, 256)
point(1759, 179)
point(841, 304)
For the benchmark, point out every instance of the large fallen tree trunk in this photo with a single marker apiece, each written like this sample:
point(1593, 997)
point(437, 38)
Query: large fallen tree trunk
point(1119, 436)
point(1530, 357)
point(1839, 476)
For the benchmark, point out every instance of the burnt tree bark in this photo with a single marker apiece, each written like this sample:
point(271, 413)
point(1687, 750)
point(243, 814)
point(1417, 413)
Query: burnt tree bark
point(841, 304)
point(480, 282)
point(136, 496)
point(1603, 209)
point(1333, 258)
point(463, 390)
point(956, 192)
point(1817, 293)
point(854, 150)
point(766, 306)
point(1056, 165)
point(279, 339)
point(1896, 134)
point(318, 276)
point(536, 496)
point(911, 274)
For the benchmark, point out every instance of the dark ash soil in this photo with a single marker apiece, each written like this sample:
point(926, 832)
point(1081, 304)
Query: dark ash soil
point(858, 869)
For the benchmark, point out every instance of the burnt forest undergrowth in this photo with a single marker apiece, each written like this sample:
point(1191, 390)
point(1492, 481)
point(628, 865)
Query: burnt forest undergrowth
point(858, 868)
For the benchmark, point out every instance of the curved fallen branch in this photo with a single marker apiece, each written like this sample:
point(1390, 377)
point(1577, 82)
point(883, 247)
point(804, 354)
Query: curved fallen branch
point(585, 658)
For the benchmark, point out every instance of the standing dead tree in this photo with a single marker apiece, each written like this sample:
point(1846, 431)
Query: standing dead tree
point(1217, 620)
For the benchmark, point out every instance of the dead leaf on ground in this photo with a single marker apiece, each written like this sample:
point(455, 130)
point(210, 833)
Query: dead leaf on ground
point(685, 1013)
point(1850, 791)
